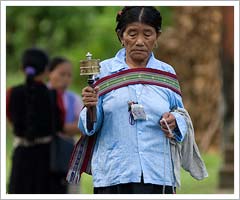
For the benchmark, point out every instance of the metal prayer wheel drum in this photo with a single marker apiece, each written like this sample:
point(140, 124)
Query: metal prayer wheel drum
point(89, 66)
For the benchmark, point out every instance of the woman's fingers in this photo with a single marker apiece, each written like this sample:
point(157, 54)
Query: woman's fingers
point(90, 96)
point(171, 125)
point(167, 122)
point(87, 90)
point(167, 134)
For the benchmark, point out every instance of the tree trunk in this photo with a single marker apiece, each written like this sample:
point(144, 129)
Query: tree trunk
point(226, 174)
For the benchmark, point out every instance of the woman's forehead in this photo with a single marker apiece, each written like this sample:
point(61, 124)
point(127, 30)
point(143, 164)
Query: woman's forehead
point(138, 25)
point(64, 66)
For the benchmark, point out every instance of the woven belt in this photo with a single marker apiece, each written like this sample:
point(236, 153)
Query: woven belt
point(20, 141)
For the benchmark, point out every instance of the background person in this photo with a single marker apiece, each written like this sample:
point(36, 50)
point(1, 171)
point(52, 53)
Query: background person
point(60, 78)
point(35, 116)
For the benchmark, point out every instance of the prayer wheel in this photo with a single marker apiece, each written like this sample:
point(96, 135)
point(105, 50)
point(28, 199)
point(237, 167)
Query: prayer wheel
point(90, 67)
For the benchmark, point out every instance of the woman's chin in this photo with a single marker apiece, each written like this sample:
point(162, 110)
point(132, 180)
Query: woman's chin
point(140, 57)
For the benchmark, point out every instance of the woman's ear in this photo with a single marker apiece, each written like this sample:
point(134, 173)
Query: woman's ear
point(159, 33)
point(120, 37)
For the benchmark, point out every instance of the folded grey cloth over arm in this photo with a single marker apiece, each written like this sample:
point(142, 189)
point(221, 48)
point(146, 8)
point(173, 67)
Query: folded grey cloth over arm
point(186, 154)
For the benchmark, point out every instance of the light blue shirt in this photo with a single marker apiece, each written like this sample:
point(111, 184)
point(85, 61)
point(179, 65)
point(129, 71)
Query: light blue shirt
point(73, 105)
point(123, 152)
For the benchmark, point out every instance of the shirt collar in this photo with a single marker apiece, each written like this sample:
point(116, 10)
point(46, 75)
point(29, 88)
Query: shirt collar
point(122, 65)
point(120, 61)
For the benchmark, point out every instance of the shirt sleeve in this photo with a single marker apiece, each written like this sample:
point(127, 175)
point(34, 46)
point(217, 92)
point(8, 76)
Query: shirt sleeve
point(82, 123)
point(181, 129)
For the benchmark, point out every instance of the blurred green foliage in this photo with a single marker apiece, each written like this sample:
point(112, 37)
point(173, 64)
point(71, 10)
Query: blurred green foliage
point(69, 31)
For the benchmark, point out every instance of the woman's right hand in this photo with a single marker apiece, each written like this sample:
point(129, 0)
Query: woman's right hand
point(90, 96)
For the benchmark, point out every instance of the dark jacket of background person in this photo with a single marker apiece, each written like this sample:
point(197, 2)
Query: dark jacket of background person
point(36, 115)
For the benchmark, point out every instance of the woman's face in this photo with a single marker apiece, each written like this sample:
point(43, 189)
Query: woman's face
point(139, 40)
point(61, 77)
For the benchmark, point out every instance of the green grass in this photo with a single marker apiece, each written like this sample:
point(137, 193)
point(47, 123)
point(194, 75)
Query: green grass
point(9, 146)
point(86, 184)
point(207, 186)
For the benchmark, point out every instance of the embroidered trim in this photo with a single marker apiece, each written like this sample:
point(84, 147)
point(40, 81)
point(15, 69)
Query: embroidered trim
point(138, 76)
point(81, 158)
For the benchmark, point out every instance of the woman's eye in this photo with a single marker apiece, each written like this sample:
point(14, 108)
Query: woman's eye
point(147, 34)
point(132, 34)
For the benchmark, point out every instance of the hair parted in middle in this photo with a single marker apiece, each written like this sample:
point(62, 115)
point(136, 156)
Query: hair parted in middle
point(145, 14)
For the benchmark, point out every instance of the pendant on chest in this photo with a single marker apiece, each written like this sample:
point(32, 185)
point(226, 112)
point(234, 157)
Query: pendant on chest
point(136, 112)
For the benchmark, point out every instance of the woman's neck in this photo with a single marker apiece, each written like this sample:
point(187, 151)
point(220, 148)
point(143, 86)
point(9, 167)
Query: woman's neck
point(136, 63)
point(54, 86)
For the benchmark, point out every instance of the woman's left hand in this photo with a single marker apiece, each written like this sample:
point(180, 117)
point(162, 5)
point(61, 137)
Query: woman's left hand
point(171, 121)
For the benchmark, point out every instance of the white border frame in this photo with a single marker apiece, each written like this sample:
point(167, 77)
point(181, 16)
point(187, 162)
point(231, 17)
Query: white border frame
point(120, 3)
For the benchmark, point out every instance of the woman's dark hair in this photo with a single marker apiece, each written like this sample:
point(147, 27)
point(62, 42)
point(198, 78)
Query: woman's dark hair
point(144, 14)
point(34, 62)
point(55, 62)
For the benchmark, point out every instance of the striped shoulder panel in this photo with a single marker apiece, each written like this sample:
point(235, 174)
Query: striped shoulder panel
point(138, 76)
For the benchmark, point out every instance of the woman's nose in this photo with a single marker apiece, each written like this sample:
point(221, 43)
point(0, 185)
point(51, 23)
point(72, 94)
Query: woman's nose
point(140, 41)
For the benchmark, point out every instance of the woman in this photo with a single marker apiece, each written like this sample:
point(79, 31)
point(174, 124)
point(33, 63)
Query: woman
point(35, 116)
point(60, 78)
point(135, 98)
